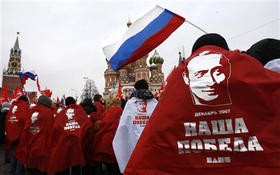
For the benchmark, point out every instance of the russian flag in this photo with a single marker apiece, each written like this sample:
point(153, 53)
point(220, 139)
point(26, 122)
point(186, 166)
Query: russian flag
point(24, 76)
point(143, 36)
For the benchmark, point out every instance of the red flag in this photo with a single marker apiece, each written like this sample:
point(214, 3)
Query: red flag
point(46, 92)
point(156, 95)
point(167, 79)
point(160, 90)
point(14, 96)
point(119, 95)
point(38, 85)
point(219, 115)
point(4, 94)
point(19, 92)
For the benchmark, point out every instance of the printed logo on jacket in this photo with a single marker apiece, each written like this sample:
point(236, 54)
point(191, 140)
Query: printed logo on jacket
point(13, 118)
point(34, 128)
point(71, 124)
point(141, 118)
point(207, 77)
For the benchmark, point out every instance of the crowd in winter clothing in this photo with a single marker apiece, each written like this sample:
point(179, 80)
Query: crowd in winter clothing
point(100, 138)
point(73, 139)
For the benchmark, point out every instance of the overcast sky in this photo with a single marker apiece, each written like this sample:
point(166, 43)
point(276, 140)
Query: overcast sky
point(62, 40)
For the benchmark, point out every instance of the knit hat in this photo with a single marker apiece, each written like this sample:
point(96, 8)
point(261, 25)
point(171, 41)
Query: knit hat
point(69, 101)
point(45, 101)
point(265, 50)
point(141, 84)
point(273, 65)
point(5, 106)
point(213, 39)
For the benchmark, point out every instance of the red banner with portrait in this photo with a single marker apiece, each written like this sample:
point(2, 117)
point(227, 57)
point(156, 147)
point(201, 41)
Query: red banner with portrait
point(219, 115)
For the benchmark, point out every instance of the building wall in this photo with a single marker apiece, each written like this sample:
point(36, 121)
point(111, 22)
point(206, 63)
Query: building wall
point(129, 75)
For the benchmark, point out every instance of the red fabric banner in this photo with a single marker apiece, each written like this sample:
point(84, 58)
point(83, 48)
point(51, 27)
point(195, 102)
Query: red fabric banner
point(70, 135)
point(15, 121)
point(103, 150)
point(4, 95)
point(33, 145)
point(219, 115)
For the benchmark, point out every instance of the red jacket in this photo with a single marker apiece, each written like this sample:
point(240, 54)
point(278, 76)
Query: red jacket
point(100, 109)
point(15, 121)
point(103, 150)
point(234, 130)
point(33, 148)
point(69, 137)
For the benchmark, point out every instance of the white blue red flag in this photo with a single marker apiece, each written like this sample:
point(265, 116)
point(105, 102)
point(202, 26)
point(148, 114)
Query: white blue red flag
point(143, 36)
point(24, 76)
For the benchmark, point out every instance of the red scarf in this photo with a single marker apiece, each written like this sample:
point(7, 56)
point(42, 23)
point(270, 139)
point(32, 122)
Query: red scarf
point(33, 145)
point(234, 129)
point(69, 138)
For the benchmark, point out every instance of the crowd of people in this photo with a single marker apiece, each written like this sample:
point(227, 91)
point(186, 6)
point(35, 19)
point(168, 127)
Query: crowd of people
point(101, 138)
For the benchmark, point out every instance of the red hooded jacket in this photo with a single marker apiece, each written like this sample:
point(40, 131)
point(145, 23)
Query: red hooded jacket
point(33, 148)
point(230, 126)
point(103, 150)
point(15, 121)
point(69, 137)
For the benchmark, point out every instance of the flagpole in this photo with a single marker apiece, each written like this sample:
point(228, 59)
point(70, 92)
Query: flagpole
point(195, 26)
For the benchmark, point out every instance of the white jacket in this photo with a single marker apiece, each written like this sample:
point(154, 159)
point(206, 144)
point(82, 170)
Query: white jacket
point(132, 122)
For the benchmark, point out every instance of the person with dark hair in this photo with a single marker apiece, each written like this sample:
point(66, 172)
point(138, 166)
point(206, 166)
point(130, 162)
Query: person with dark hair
point(5, 107)
point(100, 104)
point(91, 110)
point(88, 106)
point(14, 126)
point(70, 137)
point(265, 50)
point(69, 101)
point(103, 154)
point(33, 144)
point(135, 116)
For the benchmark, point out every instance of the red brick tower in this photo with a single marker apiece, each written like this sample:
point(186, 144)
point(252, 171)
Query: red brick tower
point(11, 75)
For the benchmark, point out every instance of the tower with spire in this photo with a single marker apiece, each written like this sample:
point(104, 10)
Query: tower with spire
point(11, 74)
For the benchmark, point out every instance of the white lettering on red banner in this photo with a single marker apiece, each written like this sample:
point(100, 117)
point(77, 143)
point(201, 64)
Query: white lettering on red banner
point(227, 126)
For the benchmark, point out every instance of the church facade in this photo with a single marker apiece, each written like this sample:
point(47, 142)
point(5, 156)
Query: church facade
point(133, 72)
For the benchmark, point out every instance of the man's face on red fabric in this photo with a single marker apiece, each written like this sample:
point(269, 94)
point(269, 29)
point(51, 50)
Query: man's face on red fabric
point(205, 74)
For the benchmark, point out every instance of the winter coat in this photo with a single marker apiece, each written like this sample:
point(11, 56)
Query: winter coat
point(70, 135)
point(33, 148)
point(134, 118)
point(103, 150)
point(15, 122)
